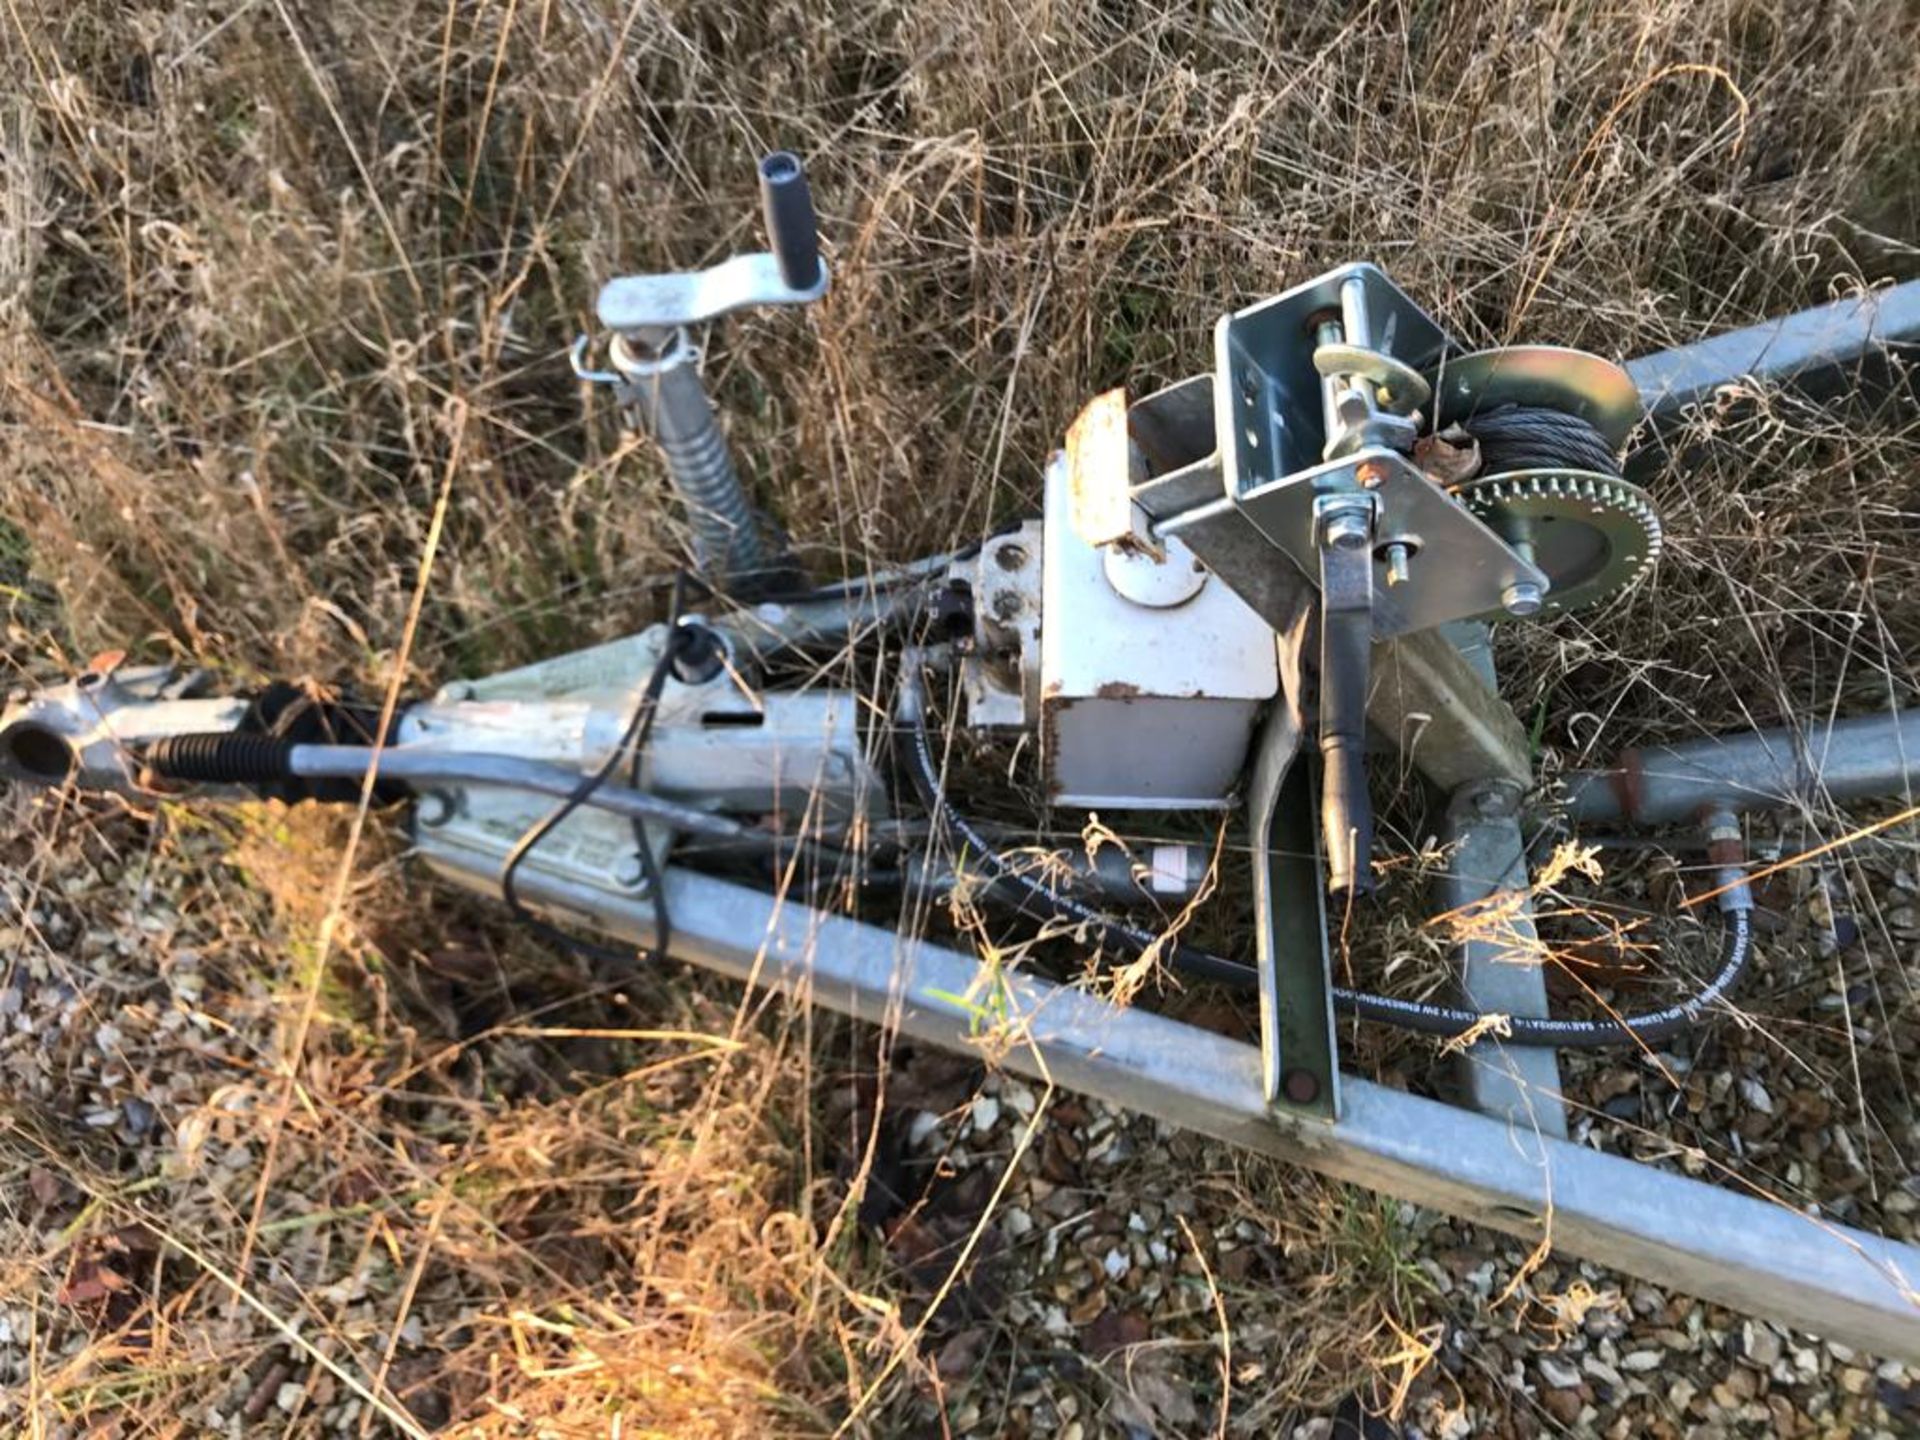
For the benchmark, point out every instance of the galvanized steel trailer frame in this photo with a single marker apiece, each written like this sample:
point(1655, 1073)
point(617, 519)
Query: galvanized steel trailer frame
point(1725, 1241)
point(1738, 1248)
point(1504, 1162)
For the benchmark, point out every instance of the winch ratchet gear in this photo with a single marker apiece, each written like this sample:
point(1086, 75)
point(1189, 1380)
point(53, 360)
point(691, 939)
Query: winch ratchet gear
point(1593, 535)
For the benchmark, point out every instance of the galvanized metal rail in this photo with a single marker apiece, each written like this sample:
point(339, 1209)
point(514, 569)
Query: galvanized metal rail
point(1868, 757)
point(1864, 342)
point(1756, 1254)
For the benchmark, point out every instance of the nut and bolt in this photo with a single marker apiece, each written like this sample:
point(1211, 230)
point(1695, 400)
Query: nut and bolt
point(1494, 801)
point(1397, 557)
point(1300, 1087)
point(631, 873)
point(1345, 521)
point(1344, 531)
point(1522, 598)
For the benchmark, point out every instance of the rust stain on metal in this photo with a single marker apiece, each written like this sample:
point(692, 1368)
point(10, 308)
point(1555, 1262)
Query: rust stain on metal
point(1050, 706)
point(1446, 462)
point(1629, 783)
point(1100, 472)
point(1727, 851)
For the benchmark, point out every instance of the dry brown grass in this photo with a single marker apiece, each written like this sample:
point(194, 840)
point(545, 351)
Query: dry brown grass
point(265, 268)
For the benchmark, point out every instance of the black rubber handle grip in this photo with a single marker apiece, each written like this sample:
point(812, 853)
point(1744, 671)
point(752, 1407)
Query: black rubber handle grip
point(1346, 814)
point(1346, 822)
point(792, 230)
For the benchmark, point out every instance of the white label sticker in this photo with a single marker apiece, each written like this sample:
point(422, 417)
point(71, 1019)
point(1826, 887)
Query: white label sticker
point(1169, 869)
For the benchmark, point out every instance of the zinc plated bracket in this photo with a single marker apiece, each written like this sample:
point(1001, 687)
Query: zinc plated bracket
point(1271, 430)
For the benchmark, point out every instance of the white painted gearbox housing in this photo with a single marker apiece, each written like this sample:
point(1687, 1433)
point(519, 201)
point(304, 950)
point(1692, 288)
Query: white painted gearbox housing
point(1143, 706)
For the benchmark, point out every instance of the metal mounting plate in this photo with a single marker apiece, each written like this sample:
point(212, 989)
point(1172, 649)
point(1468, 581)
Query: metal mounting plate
point(1598, 391)
point(483, 824)
point(1267, 408)
point(1270, 427)
point(1000, 672)
point(1467, 567)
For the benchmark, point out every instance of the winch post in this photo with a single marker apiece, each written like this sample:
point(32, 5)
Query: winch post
point(1499, 972)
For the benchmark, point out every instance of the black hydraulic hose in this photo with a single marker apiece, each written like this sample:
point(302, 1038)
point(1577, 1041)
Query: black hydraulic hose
point(925, 773)
point(1448, 1021)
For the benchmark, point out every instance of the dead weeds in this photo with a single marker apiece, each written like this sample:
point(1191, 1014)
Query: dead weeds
point(270, 273)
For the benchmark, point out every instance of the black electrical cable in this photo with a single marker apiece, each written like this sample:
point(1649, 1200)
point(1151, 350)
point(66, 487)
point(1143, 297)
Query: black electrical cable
point(1532, 437)
point(926, 780)
point(1440, 1020)
point(632, 746)
point(1651, 1028)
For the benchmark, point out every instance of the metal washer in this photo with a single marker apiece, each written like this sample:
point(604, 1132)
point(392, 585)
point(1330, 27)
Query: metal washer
point(1157, 582)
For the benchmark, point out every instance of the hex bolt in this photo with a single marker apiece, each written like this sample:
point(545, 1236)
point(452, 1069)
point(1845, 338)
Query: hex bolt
point(1346, 527)
point(434, 808)
point(1397, 557)
point(1522, 598)
point(630, 873)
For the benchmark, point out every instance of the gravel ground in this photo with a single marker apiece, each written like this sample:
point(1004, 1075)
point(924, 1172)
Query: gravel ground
point(1120, 1240)
point(271, 273)
point(1127, 1277)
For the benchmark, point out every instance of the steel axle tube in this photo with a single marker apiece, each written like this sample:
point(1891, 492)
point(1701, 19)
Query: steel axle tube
point(1871, 757)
